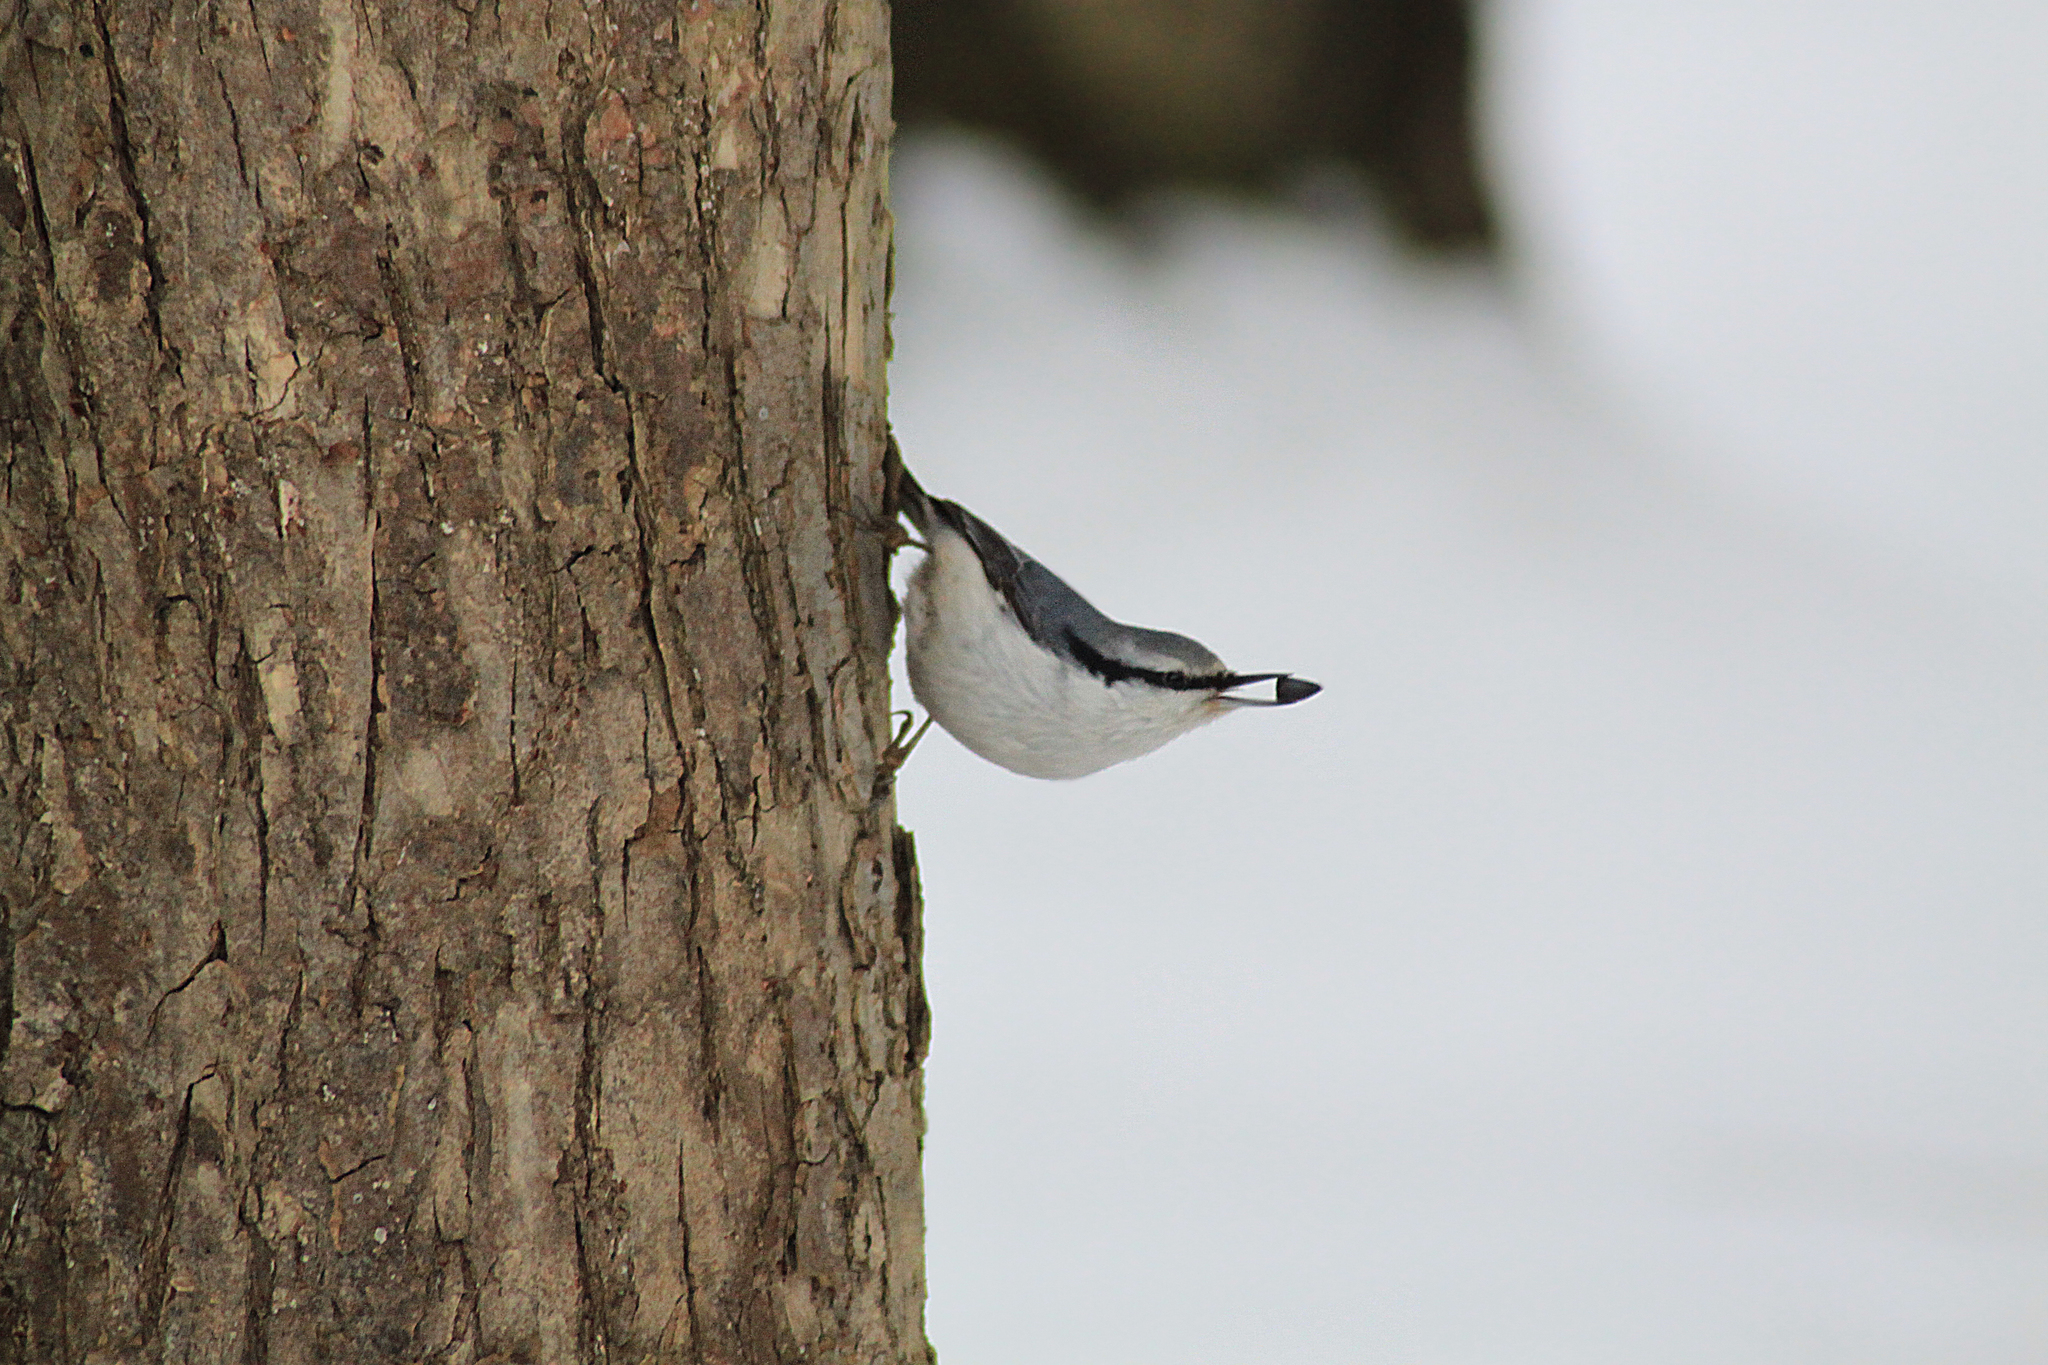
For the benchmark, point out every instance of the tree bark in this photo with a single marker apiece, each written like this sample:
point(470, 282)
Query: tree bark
point(453, 903)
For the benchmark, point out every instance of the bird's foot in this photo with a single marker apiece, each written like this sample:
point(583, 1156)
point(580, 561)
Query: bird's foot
point(899, 748)
point(895, 538)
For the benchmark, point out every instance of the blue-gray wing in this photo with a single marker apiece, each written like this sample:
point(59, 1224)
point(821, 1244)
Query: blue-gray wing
point(1050, 611)
point(1067, 623)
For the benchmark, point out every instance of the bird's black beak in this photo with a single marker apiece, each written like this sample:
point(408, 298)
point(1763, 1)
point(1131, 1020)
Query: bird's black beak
point(1287, 689)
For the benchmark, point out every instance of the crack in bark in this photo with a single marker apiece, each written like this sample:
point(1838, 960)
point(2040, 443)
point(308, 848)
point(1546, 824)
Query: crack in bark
point(261, 809)
point(70, 345)
point(367, 817)
point(512, 732)
point(592, 1336)
point(336, 1177)
point(216, 952)
point(524, 298)
point(468, 1311)
point(754, 572)
point(256, 31)
point(590, 1344)
point(356, 893)
point(124, 164)
point(284, 1039)
point(917, 1011)
point(7, 904)
point(235, 135)
point(580, 189)
point(367, 474)
point(646, 534)
point(252, 777)
point(688, 1265)
point(156, 1260)
point(706, 1036)
point(844, 572)
point(778, 1221)
point(401, 321)
point(258, 1285)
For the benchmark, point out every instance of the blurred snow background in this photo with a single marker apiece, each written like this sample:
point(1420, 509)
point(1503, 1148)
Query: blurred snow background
point(1639, 953)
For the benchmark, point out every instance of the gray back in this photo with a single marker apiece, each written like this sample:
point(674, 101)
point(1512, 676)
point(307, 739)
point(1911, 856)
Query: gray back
point(1059, 618)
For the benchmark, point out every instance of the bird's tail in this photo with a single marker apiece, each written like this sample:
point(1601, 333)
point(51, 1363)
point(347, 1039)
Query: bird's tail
point(906, 495)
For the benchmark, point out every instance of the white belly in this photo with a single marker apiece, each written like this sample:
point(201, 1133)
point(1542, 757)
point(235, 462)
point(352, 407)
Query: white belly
point(998, 693)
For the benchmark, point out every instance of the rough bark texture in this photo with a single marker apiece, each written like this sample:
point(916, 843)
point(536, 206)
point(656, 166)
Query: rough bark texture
point(453, 910)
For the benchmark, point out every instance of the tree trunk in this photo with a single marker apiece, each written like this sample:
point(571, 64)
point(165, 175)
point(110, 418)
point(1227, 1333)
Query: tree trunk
point(453, 903)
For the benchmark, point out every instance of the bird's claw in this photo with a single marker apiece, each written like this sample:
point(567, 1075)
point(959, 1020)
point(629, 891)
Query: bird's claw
point(899, 747)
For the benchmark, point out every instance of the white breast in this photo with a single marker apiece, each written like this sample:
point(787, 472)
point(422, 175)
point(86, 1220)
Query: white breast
point(1015, 704)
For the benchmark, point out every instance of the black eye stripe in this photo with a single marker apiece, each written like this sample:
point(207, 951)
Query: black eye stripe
point(1113, 671)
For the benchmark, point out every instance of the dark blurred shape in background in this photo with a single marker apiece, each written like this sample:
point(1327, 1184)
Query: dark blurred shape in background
point(1124, 95)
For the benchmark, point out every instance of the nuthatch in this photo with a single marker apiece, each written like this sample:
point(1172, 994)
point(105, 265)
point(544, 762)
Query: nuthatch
point(1021, 669)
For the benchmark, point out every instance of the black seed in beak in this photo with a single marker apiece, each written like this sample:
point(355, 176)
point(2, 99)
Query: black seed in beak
point(1287, 691)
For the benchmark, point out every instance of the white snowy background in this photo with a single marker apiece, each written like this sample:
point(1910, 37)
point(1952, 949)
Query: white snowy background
point(1639, 953)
